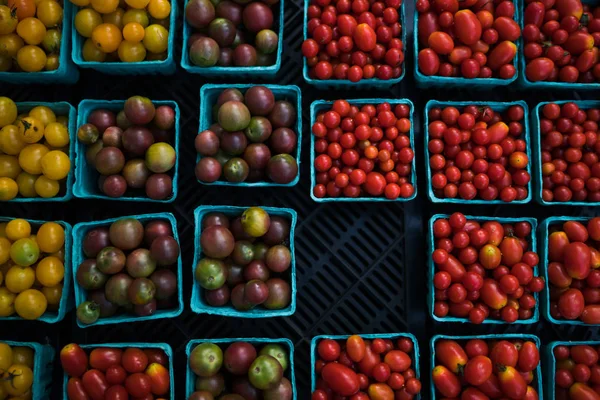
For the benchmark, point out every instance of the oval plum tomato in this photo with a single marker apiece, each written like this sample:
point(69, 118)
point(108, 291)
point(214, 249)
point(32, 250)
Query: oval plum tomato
point(341, 379)
point(95, 384)
point(446, 382)
point(529, 357)
point(398, 360)
point(73, 360)
point(451, 355)
point(584, 354)
point(478, 370)
point(115, 375)
point(467, 27)
point(355, 347)
point(134, 360)
point(441, 43)
point(102, 358)
point(490, 256)
point(476, 347)
point(138, 384)
point(429, 62)
point(571, 304)
point(329, 350)
point(511, 250)
point(504, 353)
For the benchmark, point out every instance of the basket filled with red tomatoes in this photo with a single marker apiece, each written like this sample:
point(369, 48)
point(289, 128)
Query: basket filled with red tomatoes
point(362, 150)
point(375, 366)
point(466, 42)
point(566, 150)
point(486, 366)
point(357, 43)
point(478, 153)
point(572, 370)
point(483, 270)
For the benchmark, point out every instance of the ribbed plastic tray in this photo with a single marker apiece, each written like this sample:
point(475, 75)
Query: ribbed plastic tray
point(264, 72)
point(79, 232)
point(431, 268)
point(163, 346)
point(208, 97)
point(66, 303)
point(345, 84)
point(198, 303)
point(496, 106)
point(537, 379)
point(321, 105)
point(86, 178)
point(289, 373)
point(537, 151)
point(43, 358)
point(165, 67)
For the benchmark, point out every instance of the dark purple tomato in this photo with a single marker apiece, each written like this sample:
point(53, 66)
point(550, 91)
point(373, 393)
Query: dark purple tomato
point(102, 119)
point(257, 16)
point(165, 282)
point(260, 249)
point(225, 57)
point(244, 55)
point(235, 274)
point(137, 139)
point(95, 240)
point(159, 186)
point(243, 252)
point(109, 161)
point(238, 357)
point(256, 270)
point(282, 168)
point(236, 170)
point(156, 229)
point(114, 186)
point(207, 143)
point(278, 258)
point(208, 170)
point(280, 294)
point(238, 300)
point(161, 135)
point(260, 100)
point(257, 155)
point(164, 118)
point(231, 94)
point(218, 297)
point(230, 10)
point(283, 114)
point(136, 173)
point(165, 250)
point(238, 231)
point(222, 31)
point(107, 309)
point(217, 129)
point(112, 136)
point(145, 310)
point(267, 41)
point(215, 218)
point(234, 143)
point(199, 13)
point(283, 140)
point(256, 292)
point(204, 52)
point(279, 231)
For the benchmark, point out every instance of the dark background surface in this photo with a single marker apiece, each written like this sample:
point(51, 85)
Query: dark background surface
point(361, 267)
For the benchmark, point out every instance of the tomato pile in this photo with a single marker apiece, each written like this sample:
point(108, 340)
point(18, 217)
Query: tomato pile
point(252, 140)
point(577, 373)
point(16, 371)
point(126, 31)
point(30, 35)
point(478, 153)
point(242, 370)
point(34, 152)
point(479, 369)
point(245, 260)
point(366, 369)
point(363, 151)
point(116, 373)
point(484, 270)
point(467, 38)
point(232, 33)
point(561, 41)
point(128, 267)
point(570, 149)
point(132, 150)
point(354, 40)
point(31, 268)
point(573, 275)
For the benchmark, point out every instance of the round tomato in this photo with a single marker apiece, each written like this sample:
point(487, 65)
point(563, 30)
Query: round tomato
point(10, 44)
point(8, 21)
point(86, 20)
point(104, 6)
point(32, 30)
point(355, 346)
point(116, 392)
point(23, 8)
point(159, 9)
point(31, 58)
point(138, 384)
point(375, 183)
point(156, 38)
point(328, 349)
point(478, 370)
point(107, 37)
point(131, 51)
point(92, 53)
point(30, 304)
point(23, 355)
point(17, 379)
point(160, 378)
point(134, 360)
point(50, 13)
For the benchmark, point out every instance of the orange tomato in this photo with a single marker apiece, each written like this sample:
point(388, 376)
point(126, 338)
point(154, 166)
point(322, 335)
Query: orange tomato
point(25, 8)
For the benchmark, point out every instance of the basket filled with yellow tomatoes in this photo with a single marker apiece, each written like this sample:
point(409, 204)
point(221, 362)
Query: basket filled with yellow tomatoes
point(35, 269)
point(36, 151)
point(35, 39)
point(25, 370)
point(125, 37)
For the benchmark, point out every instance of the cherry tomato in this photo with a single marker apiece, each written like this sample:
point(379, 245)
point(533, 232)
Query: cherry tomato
point(355, 346)
point(115, 375)
point(102, 358)
point(95, 384)
point(328, 349)
point(74, 360)
point(341, 379)
point(134, 360)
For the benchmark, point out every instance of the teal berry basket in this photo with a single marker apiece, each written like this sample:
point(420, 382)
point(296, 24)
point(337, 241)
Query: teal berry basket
point(314, 343)
point(60, 108)
point(66, 73)
point(190, 377)
point(431, 269)
point(320, 105)
point(165, 67)
point(550, 363)
point(525, 83)
point(162, 346)
point(43, 358)
point(537, 379)
point(537, 151)
point(544, 232)
point(475, 83)
point(200, 306)
point(264, 72)
point(345, 84)
point(66, 303)
point(86, 177)
point(496, 106)
point(208, 97)
point(79, 232)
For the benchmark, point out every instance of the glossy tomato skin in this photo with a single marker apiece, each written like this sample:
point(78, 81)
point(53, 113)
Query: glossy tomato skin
point(380, 391)
point(445, 381)
point(504, 353)
point(117, 392)
point(74, 360)
point(492, 295)
point(539, 69)
point(102, 358)
point(397, 360)
point(157, 356)
point(529, 356)
point(115, 375)
point(356, 348)
point(591, 314)
point(134, 360)
point(160, 377)
point(478, 370)
point(429, 62)
point(451, 354)
point(467, 27)
point(95, 384)
point(138, 384)
point(369, 361)
point(491, 387)
point(341, 379)
point(512, 383)
point(571, 304)
point(76, 391)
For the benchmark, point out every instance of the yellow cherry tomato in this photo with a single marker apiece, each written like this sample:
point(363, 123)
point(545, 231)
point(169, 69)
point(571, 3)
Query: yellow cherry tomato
point(7, 302)
point(30, 158)
point(156, 56)
point(52, 40)
point(133, 32)
point(53, 294)
point(9, 167)
point(18, 228)
point(18, 379)
point(139, 16)
point(56, 165)
point(50, 271)
point(56, 134)
point(19, 279)
point(52, 62)
point(132, 52)
point(115, 18)
point(10, 44)
point(24, 252)
point(4, 250)
point(30, 304)
point(6, 357)
point(43, 114)
point(86, 20)
point(31, 129)
point(63, 119)
point(156, 39)
point(8, 20)
point(8, 189)
point(10, 140)
point(46, 187)
point(31, 58)
point(80, 3)
point(51, 237)
point(91, 53)
point(32, 30)
point(26, 184)
point(139, 4)
point(107, 37)
point(8, 111)
point(104, 6)
point(50, 13)
point(23, 355)
point(159, 9)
